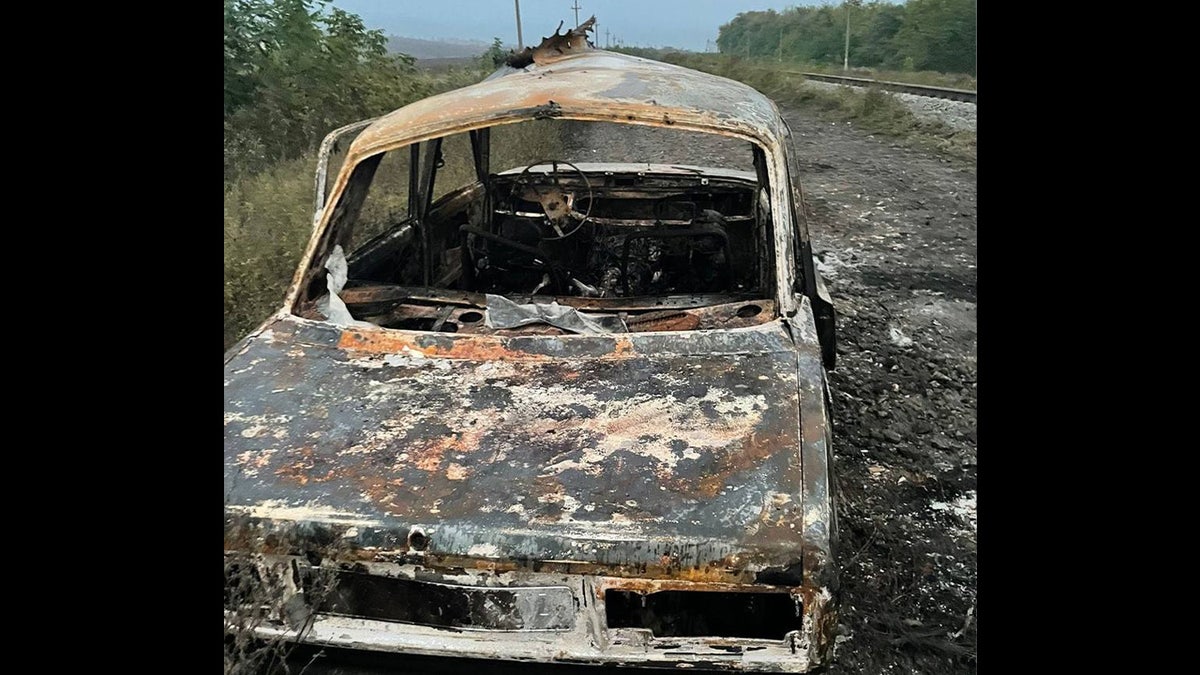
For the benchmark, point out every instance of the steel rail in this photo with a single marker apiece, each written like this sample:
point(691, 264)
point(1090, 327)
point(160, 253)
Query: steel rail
point(903, 87)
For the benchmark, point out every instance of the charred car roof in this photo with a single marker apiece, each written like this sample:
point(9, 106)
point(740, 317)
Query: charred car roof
point(584, 84)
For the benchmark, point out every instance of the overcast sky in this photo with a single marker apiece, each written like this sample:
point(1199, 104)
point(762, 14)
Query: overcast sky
point(688, 24)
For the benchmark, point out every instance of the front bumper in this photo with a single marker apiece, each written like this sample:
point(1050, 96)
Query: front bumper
point(560, 618)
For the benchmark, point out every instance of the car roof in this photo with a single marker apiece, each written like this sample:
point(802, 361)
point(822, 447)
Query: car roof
point(581, 82)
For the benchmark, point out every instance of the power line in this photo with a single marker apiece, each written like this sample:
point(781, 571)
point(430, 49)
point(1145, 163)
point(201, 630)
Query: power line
point(520, 42)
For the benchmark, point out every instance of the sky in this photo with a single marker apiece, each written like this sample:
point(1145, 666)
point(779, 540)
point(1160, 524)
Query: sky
point(687, 24)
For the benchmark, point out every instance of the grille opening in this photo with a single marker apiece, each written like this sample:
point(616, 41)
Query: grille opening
point(449, 606)
point(768, 616)
point(389, 599)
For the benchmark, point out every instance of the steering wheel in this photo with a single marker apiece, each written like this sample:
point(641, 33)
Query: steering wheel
point(561, 276)
point(557, 203)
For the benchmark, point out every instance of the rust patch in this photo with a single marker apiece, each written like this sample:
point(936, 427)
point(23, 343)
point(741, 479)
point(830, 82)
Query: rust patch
point(672, 321)
point(305, 468)
point(379, 489)
point(466, 347)
point(756, 449)
point(431, 455)
point(682, 584)
point(623, 348)
point(472, 348)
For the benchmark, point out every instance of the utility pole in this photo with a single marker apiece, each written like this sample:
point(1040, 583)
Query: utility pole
point(576, 8)
point(846, 58)
point(607, 42)
point(520, 42)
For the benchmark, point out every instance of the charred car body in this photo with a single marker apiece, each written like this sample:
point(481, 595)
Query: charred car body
point(570, 411)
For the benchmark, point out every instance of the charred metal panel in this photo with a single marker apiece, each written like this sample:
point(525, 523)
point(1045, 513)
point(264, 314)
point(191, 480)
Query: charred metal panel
point(593, 636)
point(820, 517)
point(667, 449)
point(455, 606)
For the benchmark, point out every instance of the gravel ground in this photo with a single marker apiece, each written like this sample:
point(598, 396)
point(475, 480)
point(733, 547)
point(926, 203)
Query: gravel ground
point(958, 115)
point(894, 231)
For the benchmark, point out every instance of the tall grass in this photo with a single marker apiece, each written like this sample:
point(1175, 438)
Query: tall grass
point(268, 219)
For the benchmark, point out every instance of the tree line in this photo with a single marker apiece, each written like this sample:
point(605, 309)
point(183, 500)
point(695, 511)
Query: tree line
point(297, 69)
point(917, 35)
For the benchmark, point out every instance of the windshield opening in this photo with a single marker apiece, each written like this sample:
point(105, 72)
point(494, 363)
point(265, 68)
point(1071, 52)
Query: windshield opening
point(551, 225)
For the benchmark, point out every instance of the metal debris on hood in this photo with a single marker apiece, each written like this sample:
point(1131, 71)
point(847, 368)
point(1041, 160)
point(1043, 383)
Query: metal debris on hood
point(572, 41)
point(504, 313)
point(331, 306)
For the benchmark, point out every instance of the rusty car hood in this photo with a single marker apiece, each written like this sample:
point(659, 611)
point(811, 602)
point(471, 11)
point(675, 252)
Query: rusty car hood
point(610, 450)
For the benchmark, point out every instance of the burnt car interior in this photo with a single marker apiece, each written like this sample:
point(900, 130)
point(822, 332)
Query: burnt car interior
point(664, 247)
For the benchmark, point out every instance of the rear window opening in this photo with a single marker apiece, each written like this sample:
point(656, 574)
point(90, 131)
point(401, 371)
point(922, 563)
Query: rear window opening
point(767, 616)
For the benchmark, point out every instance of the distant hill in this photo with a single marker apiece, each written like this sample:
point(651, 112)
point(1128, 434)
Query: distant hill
point(436, 49)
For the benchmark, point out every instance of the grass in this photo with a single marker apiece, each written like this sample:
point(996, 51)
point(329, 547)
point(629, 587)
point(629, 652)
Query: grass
point(926, 77)
point(268, 219)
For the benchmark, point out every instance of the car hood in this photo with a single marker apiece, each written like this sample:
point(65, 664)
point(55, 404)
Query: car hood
point(612, 450)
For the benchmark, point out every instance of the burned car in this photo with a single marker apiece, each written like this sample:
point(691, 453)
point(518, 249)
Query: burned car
point(559, 410)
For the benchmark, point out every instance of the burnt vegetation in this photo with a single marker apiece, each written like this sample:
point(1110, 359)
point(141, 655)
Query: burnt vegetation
point(265, 591)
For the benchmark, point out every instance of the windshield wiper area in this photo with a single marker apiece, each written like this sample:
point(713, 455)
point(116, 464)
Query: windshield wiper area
point(367, 297)
point(504, 313)
point(423, 308)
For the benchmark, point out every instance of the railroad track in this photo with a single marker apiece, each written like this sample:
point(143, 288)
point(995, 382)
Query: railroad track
point(903, 87)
